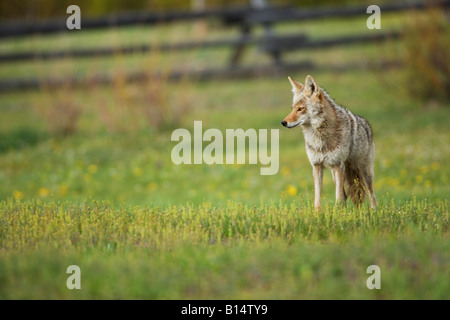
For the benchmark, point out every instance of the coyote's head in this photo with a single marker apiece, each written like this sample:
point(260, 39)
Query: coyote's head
point(306, 104)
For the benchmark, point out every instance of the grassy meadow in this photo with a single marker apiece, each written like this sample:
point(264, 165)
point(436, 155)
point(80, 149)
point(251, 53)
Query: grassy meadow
point(108, 198)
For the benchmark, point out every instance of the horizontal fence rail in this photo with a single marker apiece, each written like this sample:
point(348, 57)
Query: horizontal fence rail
point(196, 75)
point(82, 53)
point(269, 44)
point(285, 15)
point(229, 15)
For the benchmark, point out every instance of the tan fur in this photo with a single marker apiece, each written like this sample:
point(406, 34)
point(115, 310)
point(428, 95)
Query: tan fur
point(334, 138)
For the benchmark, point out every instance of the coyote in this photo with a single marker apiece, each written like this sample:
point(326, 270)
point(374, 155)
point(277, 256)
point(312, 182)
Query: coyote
point(334, 138)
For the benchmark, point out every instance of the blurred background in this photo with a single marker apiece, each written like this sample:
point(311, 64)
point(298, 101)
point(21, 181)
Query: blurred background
point(89, 113)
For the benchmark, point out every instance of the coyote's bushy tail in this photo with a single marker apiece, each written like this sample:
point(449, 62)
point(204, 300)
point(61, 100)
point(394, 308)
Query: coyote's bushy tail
point(355, 184)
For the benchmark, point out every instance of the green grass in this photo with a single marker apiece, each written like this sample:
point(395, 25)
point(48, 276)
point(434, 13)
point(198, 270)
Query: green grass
point(273, 251)
point(139, 226)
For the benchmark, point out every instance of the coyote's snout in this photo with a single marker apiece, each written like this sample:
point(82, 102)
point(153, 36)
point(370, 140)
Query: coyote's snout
point(334, 138)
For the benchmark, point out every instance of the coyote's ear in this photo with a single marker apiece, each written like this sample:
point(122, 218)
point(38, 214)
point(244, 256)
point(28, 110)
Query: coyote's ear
point(310, 86)
point(296, 86)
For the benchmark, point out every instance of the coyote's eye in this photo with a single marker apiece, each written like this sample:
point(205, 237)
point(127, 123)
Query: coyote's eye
point(301, 108)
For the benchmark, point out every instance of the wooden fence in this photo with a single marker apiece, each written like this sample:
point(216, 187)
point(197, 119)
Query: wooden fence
point(273, 44)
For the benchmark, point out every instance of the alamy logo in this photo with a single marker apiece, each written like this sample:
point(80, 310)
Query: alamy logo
point(213, 153)
point(74, 280)
point(374, 21)
point(374, 281)
point(74, 21)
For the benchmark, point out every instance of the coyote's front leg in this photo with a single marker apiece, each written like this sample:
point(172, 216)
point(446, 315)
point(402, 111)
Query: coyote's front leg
point(318, 177)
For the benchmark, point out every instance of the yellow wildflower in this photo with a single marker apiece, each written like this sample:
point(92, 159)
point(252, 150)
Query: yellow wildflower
point(92, 168)
point(137, 172)
point(435, 166)
point(423, 169)
point(43, 192)
point(62, 190)
point(152, 186)
point(285, 171)
point(291, 190)
point(18, 195)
